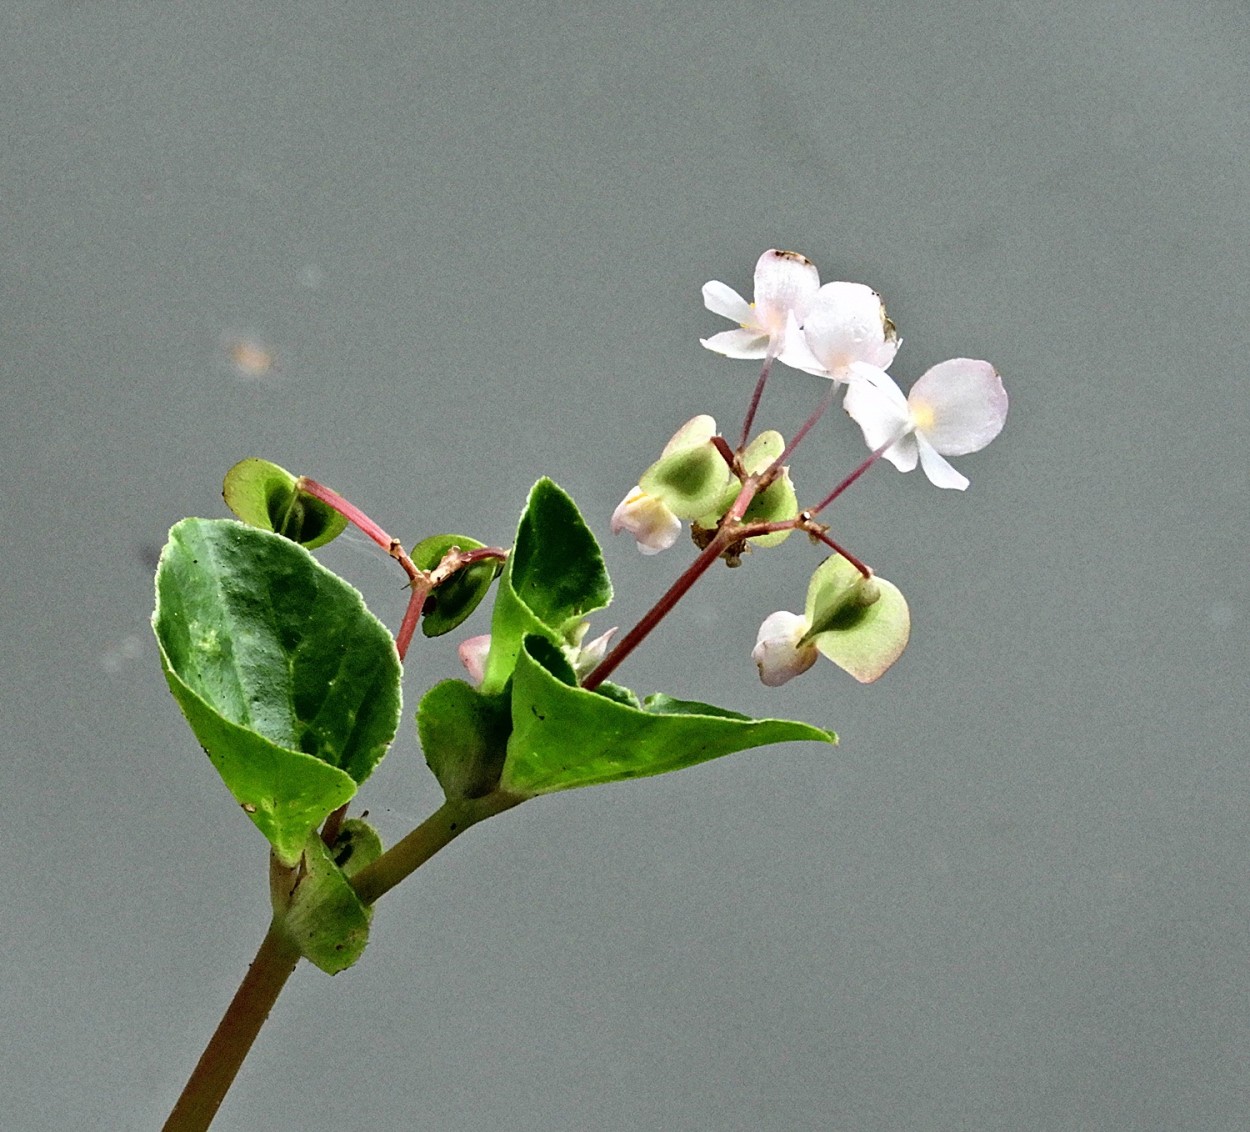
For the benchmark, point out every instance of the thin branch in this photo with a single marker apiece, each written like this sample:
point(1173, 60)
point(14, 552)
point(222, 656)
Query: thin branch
point(726, 536)
point(873, 457)
point(749, 419)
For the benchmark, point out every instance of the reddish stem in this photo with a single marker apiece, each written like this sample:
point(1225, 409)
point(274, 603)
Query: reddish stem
point(729, 533)
point(842, 551)
point(807, 426)
point(749, 419)
point(417, 596)
point(347, 509)
point(722, 446)
point(219, 1064)
point(873, 457)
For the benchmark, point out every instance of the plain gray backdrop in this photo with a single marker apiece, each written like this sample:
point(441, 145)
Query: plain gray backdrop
point(464, 244)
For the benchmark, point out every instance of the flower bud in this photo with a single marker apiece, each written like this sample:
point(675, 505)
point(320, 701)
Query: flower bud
point(779, 653)
point(651, 523)
point(473, 654)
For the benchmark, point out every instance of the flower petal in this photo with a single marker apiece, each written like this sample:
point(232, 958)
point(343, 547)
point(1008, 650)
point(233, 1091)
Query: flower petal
point(784, 282)
point(473, 653)
point(795, 352)
point(722, 299)
point(652, 524)
point(847, 323)
point(738, 343)
point(878, 406)
point(940, 473)
point(959, 405)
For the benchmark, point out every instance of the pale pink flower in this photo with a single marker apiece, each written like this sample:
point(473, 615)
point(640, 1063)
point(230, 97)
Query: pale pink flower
point(777, 653)
point(785, 284)
point(957, 407)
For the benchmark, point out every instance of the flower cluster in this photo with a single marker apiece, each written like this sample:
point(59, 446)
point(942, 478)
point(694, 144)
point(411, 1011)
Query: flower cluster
point(839, 331)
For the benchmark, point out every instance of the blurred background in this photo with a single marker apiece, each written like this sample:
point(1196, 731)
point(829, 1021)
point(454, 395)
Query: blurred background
point(427, 253)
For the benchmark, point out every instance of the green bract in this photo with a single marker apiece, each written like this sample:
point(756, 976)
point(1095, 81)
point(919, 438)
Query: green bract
point(776, 503)
point(690, 479)
point(316, 905)
point(861, 624)
point(290, 684)
point(554, 577)
point(460, 595)
point(264, 495)
point(464, 735)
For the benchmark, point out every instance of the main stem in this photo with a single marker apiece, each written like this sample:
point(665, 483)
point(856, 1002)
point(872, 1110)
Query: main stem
point(277, 957)
point(219, 1064)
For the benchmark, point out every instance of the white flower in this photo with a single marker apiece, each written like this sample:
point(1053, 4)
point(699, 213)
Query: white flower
point(777, 652)
point(648, 519)
point(785, 284)
point(846, 334)
point(957, 407)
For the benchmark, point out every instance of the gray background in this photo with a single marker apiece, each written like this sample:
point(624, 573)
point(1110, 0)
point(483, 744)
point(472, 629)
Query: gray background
point(473, 236)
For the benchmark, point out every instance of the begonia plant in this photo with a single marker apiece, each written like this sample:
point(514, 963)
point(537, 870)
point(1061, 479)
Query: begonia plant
point(293, 688)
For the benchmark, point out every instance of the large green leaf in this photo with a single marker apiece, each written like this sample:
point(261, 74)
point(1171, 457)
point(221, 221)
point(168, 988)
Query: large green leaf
point(290, 684)
point(564, 736)
point(555, 576)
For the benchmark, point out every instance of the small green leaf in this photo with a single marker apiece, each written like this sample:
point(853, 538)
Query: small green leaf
point(464, 735)
point(564, 737)
point(861, 624)
point(453, 601)
point(317, 907)
point(290, 684)
point(774, 504)
point(264, 495)
point(357, 845)
point(554, 577)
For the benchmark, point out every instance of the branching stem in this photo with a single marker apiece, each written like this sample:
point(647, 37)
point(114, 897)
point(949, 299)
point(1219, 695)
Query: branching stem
point(442, 827)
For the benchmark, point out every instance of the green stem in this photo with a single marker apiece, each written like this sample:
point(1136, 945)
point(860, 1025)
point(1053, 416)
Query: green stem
point(219, 1064)
point(442, 827)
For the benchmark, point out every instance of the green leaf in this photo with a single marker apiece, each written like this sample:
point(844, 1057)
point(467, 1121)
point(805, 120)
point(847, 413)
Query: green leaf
point(316, 905)
point(264, 495)
point(290, 684)
point(861, 624)
point(554, 576)
point(565, 737)
point(464, 735)
point(453, 601)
